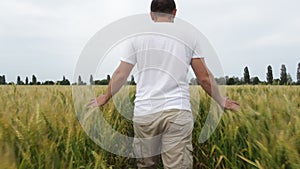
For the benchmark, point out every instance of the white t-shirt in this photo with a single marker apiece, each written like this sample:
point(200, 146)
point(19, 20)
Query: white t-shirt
point(163, 62)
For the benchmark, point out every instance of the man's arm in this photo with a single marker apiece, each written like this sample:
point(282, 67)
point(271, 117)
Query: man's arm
point(117, 81)
point(208, 83)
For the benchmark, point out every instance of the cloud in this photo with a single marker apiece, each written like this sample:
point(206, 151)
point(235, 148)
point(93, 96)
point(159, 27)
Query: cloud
point(284, 35)
point(56, 31)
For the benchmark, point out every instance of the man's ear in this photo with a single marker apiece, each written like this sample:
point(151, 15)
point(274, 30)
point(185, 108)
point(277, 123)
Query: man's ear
point(174, 12)
point(152, 16)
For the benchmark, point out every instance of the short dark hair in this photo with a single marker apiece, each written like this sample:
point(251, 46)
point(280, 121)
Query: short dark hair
point(163, 6)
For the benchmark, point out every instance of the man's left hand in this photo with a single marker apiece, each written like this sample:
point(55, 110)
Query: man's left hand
point(98, 102)
point(231, 105)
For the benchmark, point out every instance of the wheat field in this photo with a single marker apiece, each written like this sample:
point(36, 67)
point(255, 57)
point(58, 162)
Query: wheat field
point(39, 129)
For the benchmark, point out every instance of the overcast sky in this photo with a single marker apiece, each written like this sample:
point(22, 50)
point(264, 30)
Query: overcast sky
point(45, 38)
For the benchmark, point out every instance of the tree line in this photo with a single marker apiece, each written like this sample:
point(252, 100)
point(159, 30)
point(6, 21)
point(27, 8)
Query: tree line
point(33, 81)
point(285, 79)
point(64, 81)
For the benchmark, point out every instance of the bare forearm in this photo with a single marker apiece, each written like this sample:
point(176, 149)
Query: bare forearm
point(207, 80)
point(115, 84)
point(210, 86)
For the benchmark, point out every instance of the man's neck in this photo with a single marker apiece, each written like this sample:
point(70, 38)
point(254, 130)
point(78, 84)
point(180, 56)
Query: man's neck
point(164, 19)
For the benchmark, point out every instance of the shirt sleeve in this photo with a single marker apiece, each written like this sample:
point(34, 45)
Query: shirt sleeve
point(197, 50)
point(128, 52)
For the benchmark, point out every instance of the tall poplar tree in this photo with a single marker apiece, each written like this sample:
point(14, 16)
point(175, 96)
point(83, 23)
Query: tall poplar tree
point(283, 75)
point(19, 82)
point(298, 74)
point(34, 80)
point(270, 75)
point(92, 80)
point(26, 81)
point(246, 75)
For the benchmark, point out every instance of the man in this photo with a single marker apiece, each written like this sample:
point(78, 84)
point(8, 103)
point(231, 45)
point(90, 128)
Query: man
point(163, 121)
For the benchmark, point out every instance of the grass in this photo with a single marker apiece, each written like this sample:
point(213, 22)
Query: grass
point(39, 129)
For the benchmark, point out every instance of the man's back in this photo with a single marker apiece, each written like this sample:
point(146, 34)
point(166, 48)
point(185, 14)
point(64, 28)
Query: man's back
point(162, 62)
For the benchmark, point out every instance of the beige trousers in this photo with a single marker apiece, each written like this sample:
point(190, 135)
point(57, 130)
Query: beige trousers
point(167, 133)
